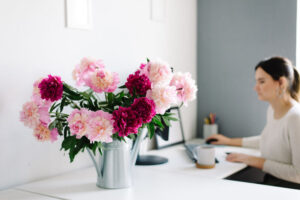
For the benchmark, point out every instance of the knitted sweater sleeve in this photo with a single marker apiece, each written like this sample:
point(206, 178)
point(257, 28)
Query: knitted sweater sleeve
point(251, 142)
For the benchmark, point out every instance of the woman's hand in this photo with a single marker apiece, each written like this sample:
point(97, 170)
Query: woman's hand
point(252, 161)
point(221, 139)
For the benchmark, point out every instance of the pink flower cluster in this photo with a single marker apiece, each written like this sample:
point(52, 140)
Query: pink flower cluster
point(35, 114)
point(129, 120)
point(96, 126)
point(93, 74)
point(166, 88)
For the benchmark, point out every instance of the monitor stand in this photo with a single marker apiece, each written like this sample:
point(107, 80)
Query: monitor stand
point(150, 160)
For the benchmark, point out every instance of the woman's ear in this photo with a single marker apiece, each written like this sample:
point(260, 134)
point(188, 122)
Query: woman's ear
point(283, 82)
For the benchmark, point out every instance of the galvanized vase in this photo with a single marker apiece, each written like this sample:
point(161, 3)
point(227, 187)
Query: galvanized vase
point(114, 167)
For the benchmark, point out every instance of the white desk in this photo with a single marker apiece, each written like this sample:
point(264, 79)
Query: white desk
point(179, 161)
point(178, 179)
point(16, 194)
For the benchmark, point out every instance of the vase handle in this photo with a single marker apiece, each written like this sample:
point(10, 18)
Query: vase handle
point(136, 146)
point(94, 161)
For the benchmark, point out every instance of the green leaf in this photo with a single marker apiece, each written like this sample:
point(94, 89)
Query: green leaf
point(110, 97)
point(123, 87)
point(66, 131)
point(148, 60)
point(173, 118)
point(68, 142)
point(70, 90)
point(73, 97)
point(52, 125)
point(151, 130)
point(62, 103)
point(166, 120)
point(55, 105)
point(157, 121)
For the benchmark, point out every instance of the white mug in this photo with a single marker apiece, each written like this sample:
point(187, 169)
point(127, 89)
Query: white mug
point(205, 157)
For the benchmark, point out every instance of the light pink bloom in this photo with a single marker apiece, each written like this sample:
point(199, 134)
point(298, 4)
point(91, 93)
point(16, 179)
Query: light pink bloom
point(158, 72)
point(36, 95)
point(185, 86)
point(33, 114)
point(78, 122)
point(30, 114)
point(42, 133)
point(164, 96)
point(103, 81)
point(100, 127)
point(82, 72)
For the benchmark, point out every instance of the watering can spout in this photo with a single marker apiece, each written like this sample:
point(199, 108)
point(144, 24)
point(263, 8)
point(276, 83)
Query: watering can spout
point(136, 145)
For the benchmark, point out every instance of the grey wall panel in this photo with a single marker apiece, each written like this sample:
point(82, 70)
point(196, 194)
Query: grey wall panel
point(233, 36)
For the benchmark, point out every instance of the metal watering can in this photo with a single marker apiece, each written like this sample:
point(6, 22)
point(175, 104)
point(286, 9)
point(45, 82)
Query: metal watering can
point(114, 167)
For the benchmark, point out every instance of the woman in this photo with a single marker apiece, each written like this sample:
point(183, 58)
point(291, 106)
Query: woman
point(277, 82)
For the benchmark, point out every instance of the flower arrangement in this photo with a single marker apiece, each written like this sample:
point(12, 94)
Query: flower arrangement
point(85, 120)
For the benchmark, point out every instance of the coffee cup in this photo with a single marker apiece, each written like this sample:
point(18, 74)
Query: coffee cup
point(205, 157)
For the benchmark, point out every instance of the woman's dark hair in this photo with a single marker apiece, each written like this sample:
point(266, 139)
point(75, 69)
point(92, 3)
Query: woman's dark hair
point(278, 67)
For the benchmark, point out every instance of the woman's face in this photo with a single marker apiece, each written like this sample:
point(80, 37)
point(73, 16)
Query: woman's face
point(266, 87)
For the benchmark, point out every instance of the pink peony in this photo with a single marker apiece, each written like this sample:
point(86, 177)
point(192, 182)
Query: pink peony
point(51, 88)
point(42, 133)
point(126, 121)
point(185, 86)
point(145, 108)
point(100, 127)
point(103, 81)
point(30, 114)
point(138, 83)
point(33, 114)
point(164, 97)
point(36, 95)
point(82, 72)
point(158, 72)
point(78, 122)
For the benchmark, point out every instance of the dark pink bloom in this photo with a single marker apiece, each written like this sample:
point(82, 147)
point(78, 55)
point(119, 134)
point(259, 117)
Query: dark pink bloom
point(51, 88)
point(138, 83)
point(126, 121)
point(142, 65)
point(145, 108)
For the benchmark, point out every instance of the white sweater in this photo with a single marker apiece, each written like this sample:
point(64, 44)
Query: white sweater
point(279, 144)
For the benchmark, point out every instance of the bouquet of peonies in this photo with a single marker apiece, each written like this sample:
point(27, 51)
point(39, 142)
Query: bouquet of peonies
point(141, 102)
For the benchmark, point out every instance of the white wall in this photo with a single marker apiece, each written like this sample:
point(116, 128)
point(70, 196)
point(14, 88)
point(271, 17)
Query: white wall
point(34, 43)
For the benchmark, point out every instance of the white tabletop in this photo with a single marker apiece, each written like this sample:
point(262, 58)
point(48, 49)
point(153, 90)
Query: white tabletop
point(17, 194)
point(178, 179)
point(179, 161)
point(154, 184)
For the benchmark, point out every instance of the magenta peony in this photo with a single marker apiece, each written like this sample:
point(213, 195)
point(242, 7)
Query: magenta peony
point(145, 108)
point(51, 88)
point(138, 83)
point(126, 121)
